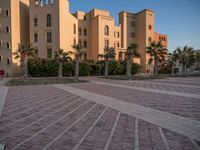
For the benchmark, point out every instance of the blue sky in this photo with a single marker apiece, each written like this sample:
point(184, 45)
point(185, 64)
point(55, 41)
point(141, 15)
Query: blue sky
point(179, 19)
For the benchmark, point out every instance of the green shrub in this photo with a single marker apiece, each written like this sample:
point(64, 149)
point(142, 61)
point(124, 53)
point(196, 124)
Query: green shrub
point(49, 68)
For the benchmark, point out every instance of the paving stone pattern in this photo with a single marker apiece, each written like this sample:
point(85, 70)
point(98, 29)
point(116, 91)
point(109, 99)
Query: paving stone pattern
point(187, 107)
point(45, 117)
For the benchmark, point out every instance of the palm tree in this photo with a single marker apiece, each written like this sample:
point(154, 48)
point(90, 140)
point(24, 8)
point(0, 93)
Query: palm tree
point(172, 58)
point(198, 59)
point(24, 52)
point(61, 57)
point(130, 53)
point(186, 57)
point(109, 53)
point(158, 52)
point(79, 51)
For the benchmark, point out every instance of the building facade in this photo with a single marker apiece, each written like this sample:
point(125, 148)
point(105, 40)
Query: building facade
point(49, 26)
point(14, 30)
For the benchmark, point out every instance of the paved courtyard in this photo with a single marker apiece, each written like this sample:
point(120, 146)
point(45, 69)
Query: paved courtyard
point(103, 114)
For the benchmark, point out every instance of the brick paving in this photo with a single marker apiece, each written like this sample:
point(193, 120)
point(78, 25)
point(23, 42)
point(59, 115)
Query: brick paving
point(183, 106)
point(45, 117)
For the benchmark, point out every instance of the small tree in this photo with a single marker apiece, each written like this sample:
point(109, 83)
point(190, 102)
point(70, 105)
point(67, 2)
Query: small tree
point(61, 57)
point(109, 53)
point(79, 51)
point(186, 56)
point(130, 53)
point(24, 52)
point(158, 52)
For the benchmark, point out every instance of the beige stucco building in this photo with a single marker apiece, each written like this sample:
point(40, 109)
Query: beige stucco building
point(14, 29)
point(49, 26)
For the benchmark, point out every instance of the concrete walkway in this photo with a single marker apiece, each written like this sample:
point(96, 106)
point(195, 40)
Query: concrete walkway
point(178, 124)
point(3, 93)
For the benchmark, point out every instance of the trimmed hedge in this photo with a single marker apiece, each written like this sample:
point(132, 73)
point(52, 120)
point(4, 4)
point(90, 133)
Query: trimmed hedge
point(49, 68)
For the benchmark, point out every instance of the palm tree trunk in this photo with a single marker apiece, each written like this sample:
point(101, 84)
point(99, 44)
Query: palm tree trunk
point(106, 68)
point(21, 69)
point(77, 69)
point(60, 70)
point(128, 67)
point(25, 70)
point(173, 69)
point(155, 66)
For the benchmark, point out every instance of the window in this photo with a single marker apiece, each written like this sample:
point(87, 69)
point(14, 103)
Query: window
point(52, 2)
point(85, 44)
point(106, 30)
point(149, 39)
point(160, 38)
point(74, 29)
point(35, 22)
point(8, 45)
point(80, 42)
point(150, 27)
point(164, 39)
point(120, 55)
point(132, 34)
point(48, 20)
point(7, 29)
point(35, 37)
point(118, 34)
point(132, 24)
point(84, 17)
point(49, 39)
point(36, 52)
point(8, 61)
point(79, 31)
point(118, 45)
point(74, 41)
point(85, 32)
point(85, 56)
point(0, 43)
point(1, 58)
point(1, 27)
point(0, 11)
point(106, 43)
point(49, 53)
point(6, 13)
point(36, 3)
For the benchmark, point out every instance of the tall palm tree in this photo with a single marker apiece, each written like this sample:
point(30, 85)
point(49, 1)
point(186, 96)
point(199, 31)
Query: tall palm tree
point(172, 58)
point(130, 53)
point(79, 51)
point(186, 57)
point(24, 52)
point(198, 59)
point(61, 57)
point(109, 53)
point(158, 52)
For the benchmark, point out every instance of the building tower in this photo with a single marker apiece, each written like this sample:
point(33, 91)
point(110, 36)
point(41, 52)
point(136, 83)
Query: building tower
point(51, 26)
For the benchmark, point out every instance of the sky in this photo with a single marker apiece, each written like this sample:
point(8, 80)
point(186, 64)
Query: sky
point(179, 19)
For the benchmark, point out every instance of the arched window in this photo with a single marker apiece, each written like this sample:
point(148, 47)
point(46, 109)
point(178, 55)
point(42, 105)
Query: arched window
point(7, 29)
point(74, 28)
point(8, 45)
point(48, 20)
point(8, 61)
point(106, 30)
point(7, 13)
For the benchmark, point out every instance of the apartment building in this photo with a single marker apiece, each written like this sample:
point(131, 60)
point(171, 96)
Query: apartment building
point(14, 30)
point(49, 26)
point(139, 28)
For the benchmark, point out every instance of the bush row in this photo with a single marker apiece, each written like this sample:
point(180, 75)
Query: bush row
point(49, 68)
